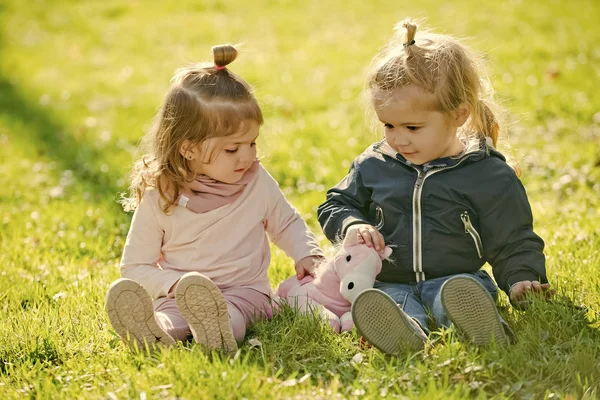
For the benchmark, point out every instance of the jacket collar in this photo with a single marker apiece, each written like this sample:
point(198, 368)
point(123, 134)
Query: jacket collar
point(483, 151)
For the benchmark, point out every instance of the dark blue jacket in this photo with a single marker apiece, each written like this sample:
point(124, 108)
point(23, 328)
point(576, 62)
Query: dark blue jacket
point(446, 217)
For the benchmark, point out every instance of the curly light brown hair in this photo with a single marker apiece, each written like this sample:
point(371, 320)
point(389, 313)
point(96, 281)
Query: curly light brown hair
point(204, 101)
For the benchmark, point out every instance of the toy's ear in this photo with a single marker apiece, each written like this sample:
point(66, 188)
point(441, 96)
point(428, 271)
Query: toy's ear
point(386, 253)
point(350, 240)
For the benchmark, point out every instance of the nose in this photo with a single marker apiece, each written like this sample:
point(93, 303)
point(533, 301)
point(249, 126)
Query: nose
point(401, 139)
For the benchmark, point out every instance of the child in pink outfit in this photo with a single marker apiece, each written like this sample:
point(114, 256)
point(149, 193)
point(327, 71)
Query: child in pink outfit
point(204, 210)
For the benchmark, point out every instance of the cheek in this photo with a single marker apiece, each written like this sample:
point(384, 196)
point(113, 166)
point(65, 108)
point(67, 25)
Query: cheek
point(222, 160)
point(389, 136)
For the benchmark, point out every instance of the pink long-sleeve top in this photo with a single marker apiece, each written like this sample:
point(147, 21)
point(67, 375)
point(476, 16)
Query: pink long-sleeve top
point(228, 244)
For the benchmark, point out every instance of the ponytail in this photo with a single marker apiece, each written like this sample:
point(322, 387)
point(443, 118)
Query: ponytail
point(488, 124)
point(485, 121)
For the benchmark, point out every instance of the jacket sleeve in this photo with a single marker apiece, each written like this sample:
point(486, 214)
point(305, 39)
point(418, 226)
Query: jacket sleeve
point(285, 226)
point(346, 204)
point(513, 249)
point(142, 251)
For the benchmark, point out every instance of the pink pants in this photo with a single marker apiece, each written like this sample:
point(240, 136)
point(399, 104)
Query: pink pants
point(244, 305)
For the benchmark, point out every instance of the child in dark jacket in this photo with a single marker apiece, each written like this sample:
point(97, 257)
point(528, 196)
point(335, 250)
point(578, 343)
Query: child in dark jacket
point(450, 201)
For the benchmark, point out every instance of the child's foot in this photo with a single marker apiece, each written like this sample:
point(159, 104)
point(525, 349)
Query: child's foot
point(203, 306)
point(131, 314)
point(382, 323)
point(473, 311)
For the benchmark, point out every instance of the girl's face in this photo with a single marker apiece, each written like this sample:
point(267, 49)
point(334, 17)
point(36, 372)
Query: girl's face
point(235, 154)
point(415, 131)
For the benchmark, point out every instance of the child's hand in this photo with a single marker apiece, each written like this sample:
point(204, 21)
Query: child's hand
point(307, 265)
point(520, 290)
point(368, 235)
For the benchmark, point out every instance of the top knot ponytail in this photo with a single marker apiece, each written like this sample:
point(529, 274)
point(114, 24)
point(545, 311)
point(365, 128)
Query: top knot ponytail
point(410, 29)
point(224, 55)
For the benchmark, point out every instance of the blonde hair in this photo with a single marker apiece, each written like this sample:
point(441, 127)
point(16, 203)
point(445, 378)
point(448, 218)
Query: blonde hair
point(442, 66)
point(204, 101)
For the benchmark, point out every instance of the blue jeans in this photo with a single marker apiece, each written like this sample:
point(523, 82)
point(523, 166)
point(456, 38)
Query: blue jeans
point(416, 299)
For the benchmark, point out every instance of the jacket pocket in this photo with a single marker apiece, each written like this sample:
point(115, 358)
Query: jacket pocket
point(470, 229)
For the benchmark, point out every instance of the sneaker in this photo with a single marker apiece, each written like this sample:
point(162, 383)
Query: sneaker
point(382, 322)
point(203, 306)
point(131, 314)
point(473, 311)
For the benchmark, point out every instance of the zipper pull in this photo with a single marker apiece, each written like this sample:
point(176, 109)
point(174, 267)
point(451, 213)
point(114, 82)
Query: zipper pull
point(379, 217)
point(470, 229)
point(466, 221)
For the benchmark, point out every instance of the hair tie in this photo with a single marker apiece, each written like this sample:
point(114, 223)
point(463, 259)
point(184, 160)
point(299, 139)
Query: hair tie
point(409, 43)
point(220, 67)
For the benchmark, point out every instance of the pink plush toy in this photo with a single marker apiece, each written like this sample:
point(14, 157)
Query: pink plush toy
point(337, 282)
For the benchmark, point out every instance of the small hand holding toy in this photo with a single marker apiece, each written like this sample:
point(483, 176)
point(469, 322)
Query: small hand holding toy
point(337, 282)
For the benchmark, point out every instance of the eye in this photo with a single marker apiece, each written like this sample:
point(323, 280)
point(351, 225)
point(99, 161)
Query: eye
point(351, 286)
point(412, 128)
point(253, 144)
point(231, 151)
point(348, 257)
point(388, 126)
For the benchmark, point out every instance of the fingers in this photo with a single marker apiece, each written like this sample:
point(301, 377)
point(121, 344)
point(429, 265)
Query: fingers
point(520, 290)
point(380, 241)
point(366, 237)
point(548, 290)
point(542, 288)
point(536, 286)
point(312, 265)
point(307, 265)
point(371, 237)
point(367, 234)
point(299, 271)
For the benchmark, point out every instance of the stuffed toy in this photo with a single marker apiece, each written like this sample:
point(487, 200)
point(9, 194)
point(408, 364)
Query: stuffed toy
point(337, 282)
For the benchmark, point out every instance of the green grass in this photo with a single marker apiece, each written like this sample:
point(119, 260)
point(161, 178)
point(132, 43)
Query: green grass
point(79, 83)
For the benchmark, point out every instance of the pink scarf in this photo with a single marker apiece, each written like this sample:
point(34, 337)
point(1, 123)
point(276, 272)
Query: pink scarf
point(206, 194)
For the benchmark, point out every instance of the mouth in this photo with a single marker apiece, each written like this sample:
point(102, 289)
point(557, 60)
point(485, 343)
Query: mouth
point(240, 170)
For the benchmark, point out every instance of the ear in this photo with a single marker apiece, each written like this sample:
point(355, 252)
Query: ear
point(459, 115)
point(188, 150)
point(350, 240)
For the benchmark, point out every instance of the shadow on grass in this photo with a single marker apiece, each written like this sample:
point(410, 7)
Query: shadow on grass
point(53, 141)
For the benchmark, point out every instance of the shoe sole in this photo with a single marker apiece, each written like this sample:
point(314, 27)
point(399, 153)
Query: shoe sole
point(203, 306)
point(472, 309)
point(382, 323)
point(130, 311)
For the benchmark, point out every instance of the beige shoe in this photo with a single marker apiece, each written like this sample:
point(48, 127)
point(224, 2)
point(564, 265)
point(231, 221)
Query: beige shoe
point(131, 314)
point(473, 311)
point(203, 306)
point(382, 323)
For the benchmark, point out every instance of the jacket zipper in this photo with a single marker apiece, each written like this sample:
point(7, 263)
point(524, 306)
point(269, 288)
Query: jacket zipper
point(470, 229)
point(417, 242)
point(418, 189)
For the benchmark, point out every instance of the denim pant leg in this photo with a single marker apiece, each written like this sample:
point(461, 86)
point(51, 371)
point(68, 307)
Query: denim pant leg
point(430, 291)
point(404, 295)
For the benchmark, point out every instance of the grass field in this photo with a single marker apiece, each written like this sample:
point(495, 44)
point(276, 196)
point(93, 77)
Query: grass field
point(79, 84)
